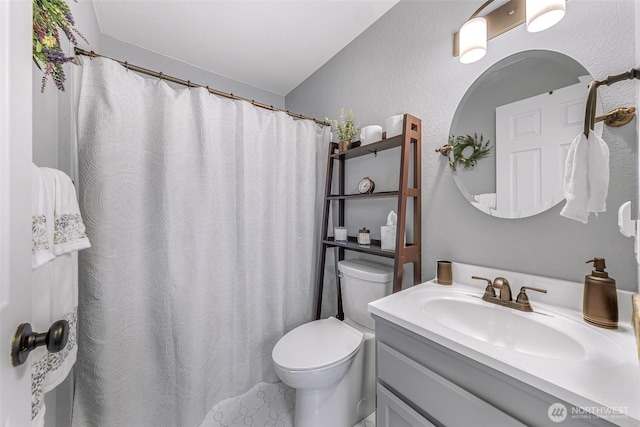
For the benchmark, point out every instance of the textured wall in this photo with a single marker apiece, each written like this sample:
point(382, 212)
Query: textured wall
point(403, 63)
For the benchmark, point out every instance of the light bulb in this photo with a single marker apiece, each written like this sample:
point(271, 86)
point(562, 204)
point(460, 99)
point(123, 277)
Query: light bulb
point(542, 14)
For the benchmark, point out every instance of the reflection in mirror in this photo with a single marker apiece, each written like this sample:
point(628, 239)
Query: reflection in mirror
point(530, 106)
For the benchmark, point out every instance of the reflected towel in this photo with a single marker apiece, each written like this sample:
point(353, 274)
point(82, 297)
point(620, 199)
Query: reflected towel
point(486, 199)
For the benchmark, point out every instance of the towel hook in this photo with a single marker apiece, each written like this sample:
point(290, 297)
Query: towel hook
point(590, 111)
point(25, 340)
point(618, 117)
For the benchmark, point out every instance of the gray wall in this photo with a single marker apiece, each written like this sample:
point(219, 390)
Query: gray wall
point(403, 63)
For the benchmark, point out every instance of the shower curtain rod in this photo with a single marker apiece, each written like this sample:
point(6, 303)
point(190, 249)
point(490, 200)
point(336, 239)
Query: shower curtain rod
point(190, 84)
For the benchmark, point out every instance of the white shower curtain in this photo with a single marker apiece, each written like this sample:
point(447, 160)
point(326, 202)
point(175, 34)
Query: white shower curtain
point(203, 217)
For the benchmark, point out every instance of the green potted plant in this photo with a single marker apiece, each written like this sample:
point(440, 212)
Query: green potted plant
point(345, 128)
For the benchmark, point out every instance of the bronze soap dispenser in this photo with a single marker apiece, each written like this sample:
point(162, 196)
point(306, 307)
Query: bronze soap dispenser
point(600, 300)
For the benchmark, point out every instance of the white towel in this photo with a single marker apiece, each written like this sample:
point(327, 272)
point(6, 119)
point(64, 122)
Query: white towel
point(55, 286)
point(55, 290)
point(69, 230)
point(586, 177)
point(598, 174)
point(575, 185)
point(41, 219)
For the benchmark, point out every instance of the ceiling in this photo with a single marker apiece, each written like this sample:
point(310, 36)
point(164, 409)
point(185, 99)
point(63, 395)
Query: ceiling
point(270, 44)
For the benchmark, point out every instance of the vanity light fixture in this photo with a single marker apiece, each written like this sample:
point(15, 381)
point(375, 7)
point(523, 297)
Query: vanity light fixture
point(473, 40)
point(470, 43)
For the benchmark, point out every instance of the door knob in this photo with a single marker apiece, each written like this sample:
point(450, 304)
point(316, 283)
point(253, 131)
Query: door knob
point(24, 340)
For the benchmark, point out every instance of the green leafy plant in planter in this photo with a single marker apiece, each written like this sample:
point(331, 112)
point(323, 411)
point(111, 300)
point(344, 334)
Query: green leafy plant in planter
point(49, 17)
point(345, 128)
point(466, 150)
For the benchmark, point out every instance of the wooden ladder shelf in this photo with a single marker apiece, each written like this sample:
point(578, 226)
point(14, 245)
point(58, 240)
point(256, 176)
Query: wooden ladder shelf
point(409, 141)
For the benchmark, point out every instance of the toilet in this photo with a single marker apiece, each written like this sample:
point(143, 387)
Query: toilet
point(331, 363)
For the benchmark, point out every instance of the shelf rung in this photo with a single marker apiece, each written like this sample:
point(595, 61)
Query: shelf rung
point(363, 150)
point(413, 192)
point(374, 249)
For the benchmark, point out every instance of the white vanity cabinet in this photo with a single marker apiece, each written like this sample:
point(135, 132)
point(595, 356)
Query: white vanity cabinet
point(422, 383)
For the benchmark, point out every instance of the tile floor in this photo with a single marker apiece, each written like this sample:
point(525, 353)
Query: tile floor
point(265, 405)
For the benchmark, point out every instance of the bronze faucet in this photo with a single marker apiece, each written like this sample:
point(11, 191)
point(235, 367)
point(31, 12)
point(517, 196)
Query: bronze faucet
point(504, 298)
point(503, 285)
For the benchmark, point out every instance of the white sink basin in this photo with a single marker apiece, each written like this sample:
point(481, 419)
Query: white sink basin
point(502, 328)
point(541, 334)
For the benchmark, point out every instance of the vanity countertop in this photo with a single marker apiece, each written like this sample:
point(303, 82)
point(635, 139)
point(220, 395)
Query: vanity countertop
point(605, 380)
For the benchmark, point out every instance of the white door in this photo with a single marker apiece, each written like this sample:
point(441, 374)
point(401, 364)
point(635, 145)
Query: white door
point(15, 204)
point(532, 140)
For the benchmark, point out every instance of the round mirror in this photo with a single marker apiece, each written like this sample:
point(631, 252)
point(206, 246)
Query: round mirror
point(512, 131)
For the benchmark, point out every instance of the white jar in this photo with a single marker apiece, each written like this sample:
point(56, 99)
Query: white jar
point(340, 234)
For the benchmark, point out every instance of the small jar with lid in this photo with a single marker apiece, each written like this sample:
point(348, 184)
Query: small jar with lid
point(364, 237)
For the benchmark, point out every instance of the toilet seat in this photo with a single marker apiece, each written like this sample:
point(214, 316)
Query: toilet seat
point(316, 345)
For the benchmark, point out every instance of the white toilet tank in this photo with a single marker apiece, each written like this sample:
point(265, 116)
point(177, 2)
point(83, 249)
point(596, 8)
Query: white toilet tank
point(362, 282)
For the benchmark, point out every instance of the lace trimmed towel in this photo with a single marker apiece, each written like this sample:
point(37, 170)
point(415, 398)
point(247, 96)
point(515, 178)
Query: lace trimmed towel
point(69, 230)
point(55, 282)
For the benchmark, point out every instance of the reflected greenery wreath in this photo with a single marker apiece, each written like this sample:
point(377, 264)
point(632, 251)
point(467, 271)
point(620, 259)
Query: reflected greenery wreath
point(459, 144)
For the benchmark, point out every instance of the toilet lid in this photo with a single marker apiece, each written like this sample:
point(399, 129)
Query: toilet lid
point(316, 344)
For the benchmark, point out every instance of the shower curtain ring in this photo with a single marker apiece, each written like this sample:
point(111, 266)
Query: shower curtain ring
point(208, 90)
point(126, 65)
point(189, 84)
point(160, 76)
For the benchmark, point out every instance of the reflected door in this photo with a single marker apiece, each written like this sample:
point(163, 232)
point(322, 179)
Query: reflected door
point(532, 140)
